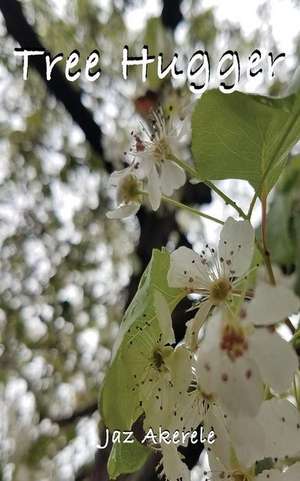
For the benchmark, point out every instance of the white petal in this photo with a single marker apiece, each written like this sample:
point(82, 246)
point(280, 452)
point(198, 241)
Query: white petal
point(217, 467)
point(207, 364)
point(186, 269)
point(165, 180)
point(194, 325)
point(173, 468)
point(189, 406)
point(180, 365)
point(116, 176)
point(164, 318)
point(123, 211)
point(157, 401)
point(248, 447)
point(240, 388)
point(281, 421)
point(172, 177)
point(275, 357)
point(272, 304)
point(154, 189)
point(207, 368)
point(236, 245)
point(270, 475)
point(177, 148)
point(237, 384)
point(143, 166)
point(221, 448)
point(291, 474)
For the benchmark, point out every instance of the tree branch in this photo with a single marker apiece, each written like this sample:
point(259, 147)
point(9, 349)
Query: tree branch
point(171, 14)
point(86, 411)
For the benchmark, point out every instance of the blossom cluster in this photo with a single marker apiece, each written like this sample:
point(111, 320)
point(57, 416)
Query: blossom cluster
point(232, 373)
point(152, 169)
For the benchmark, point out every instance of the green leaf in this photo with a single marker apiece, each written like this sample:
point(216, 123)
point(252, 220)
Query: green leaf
point(243, 136)
point(280, 234)
point(126, 458)
point(119, 400)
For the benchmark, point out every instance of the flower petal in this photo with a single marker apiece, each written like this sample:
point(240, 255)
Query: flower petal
point(123, 211)
point(270, 475)
point(179, 364)
point(291, 474)
point(157, 399)
point(174, 469)
point(164, 318)
point(237, 384)
point(194, 325)
point(239, 387)
point(236, 246)
point(275, 357)
point(281, 421)
point(118, 175)
point(272, 304)
point(153, 185)
point(186, 270)
point(172, 177)
point(143, 166)
point(248, 448)
point(221, 448)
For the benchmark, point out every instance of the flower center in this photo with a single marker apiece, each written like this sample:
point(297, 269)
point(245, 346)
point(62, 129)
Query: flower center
point(158, 359)
point(240, 476)
point(128, 190)
point(234, 342)
point(219, 290)
point(236, 475)
point(161, 150)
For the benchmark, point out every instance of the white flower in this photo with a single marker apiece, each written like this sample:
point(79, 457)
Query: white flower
point(236, 472)
point(127, 192)
point(274, 433)
point(280, 420)
point(159, 370)
point(214, 274)
point(242, 442)
point(154, 151)
point(231, 471)
point(237, 357)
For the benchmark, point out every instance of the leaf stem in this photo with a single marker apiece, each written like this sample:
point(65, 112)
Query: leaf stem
point(266, 252)
point(252, 204)
point(226, 199)
point(191, 209)
point(193, 173)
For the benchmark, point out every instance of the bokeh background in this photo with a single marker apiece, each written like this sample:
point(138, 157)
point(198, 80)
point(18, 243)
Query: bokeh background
point(67, 272)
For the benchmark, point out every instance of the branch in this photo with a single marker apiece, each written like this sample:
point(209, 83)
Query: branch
point(171, 14)
point(86, 411)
